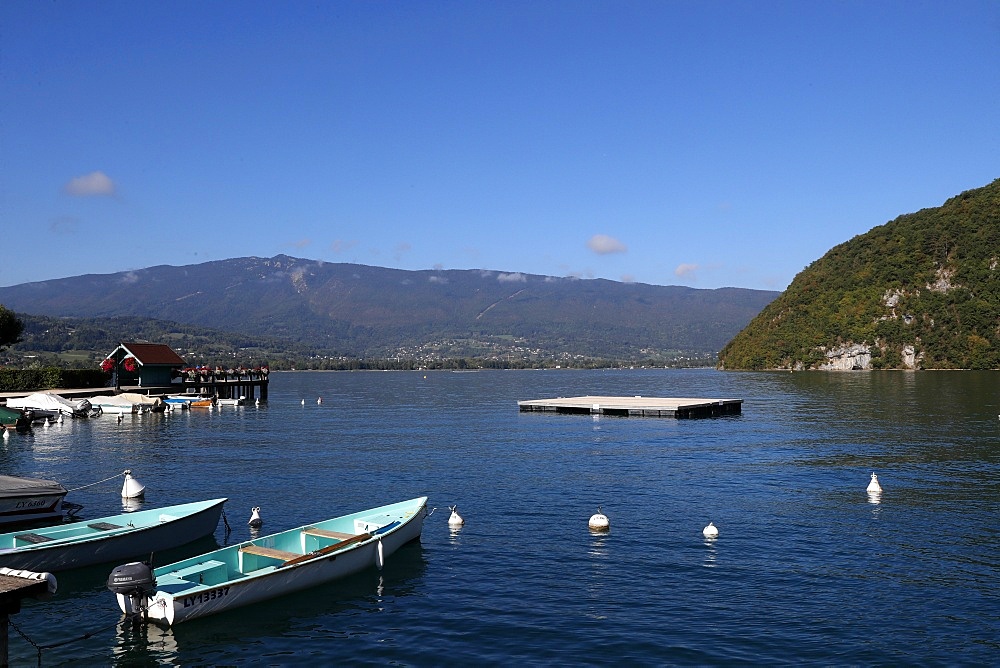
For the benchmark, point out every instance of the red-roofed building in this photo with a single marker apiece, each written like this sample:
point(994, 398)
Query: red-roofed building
point(149, 364)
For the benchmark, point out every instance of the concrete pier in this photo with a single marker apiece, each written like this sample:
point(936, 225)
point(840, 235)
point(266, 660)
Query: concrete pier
point(636, 406)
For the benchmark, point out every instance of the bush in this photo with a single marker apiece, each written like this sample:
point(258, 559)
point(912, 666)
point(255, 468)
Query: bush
point(49, 378)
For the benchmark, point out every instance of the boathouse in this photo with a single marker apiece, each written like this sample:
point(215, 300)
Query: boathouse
point(143, 364)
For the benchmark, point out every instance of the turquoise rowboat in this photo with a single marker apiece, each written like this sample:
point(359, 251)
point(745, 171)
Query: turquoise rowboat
point(76, 544)
point(266, 567)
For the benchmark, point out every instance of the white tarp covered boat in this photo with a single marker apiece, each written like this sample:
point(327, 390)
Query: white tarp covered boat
point(154, 404)
point(25, 500)
point(89, 542)
point(267, 567)
point(52, 403)
point(115, 404)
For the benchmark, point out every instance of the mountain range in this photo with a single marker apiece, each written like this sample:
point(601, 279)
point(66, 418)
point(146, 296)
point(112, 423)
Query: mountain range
point(364, 311)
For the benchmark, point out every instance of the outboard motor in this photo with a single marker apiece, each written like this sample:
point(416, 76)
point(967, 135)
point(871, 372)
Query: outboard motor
point(133, 583)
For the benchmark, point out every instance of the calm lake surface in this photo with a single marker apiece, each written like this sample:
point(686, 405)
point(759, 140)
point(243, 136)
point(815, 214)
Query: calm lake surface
point(806, 569)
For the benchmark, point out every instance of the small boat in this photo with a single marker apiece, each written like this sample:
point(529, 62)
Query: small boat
point(192, 401)
point(43, 402)
point(153, 404)
point(89, 542)
point(24, 500)
point(231, 402)
point(266, 567)
point(14, 418)
point(114, 404)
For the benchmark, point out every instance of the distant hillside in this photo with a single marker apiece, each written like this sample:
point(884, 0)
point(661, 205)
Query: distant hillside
point(363, 311)
point(922, 291)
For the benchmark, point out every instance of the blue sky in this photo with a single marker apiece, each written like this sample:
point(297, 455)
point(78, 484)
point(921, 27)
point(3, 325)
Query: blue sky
point(706, 144)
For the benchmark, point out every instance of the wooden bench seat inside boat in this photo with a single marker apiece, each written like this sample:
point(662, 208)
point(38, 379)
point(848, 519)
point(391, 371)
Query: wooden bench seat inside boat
point(336, 535)
point(32, 538)
point(270, 552)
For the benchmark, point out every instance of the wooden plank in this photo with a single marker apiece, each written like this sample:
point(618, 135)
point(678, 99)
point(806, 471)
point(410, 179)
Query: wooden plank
point(339, 535)
point(280, 555)
point(328, 549)
point(32, 538)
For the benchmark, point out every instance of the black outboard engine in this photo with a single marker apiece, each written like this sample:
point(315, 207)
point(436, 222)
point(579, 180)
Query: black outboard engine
point(134, 582)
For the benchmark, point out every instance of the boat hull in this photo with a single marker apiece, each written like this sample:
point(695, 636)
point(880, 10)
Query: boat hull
point(170, 608)
point(95, 547)
point(24, 500)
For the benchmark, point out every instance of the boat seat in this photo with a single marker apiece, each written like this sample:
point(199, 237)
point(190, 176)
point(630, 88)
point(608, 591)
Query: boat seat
point(104, 526)
point(207, 572)
point(337, 535)
point(270, 552)
point(32, 538)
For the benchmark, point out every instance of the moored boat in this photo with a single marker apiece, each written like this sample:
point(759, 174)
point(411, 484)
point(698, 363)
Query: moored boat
point(89, 542)
point(24, 500)
point(14, 418)
point(51, 403)
point(266, 567)
point(114, 404)
point(231, 402)
point(192, 401)
point(153, 404)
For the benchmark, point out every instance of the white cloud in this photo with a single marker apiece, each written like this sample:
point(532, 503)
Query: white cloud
point(602, 244)
point(512, 278)
point(686, 270)
point(400, 250)
point(64, 225)
point(628, 278)
point(438, 279)
point(95, 183)
point(301, 243)
point(341, 246)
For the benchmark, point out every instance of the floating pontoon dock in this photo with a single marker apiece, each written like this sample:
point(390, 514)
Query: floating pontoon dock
point(643, 406)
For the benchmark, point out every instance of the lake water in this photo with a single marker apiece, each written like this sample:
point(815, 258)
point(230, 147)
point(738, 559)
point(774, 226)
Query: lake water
point(806, 569)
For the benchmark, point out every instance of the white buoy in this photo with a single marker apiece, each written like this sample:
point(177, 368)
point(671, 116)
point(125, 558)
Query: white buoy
point(873, 486)
point(455, 520)
point(6, 434)
point(303, 402)
point(711, 531)
point(132, 489)
point(46, 425)
point(599, 521)
point(319, 401)
point(255, 521)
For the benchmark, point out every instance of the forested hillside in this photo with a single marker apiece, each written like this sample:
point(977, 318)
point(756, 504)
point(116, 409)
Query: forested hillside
point(922, 291)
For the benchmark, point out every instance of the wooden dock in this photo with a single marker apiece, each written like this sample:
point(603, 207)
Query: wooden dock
point(641, 406)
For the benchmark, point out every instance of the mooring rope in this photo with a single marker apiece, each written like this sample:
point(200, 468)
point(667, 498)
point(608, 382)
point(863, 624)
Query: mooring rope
point(76, 489)
point(85, 636)
point(53, 645)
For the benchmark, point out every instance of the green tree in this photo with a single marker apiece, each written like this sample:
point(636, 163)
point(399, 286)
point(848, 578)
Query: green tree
point(11, 327)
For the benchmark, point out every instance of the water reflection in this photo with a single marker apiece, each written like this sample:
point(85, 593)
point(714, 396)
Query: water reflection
point(710, 552)
point(318, 612)
point(132, 505)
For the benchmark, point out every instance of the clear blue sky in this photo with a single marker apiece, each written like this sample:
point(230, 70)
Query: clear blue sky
point(705, 144)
